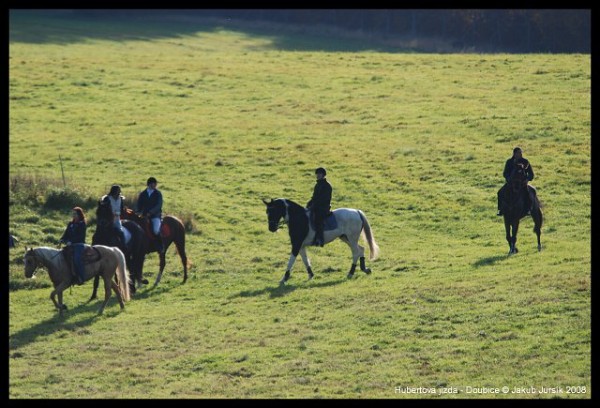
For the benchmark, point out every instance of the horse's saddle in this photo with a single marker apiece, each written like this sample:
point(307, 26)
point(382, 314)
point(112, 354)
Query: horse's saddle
point(330, 222)
point(88, 255)
point(165, 230)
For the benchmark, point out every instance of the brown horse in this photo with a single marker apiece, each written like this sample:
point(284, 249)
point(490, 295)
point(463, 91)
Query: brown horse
point(516, 208)
point(171, 230)
point(105, 262)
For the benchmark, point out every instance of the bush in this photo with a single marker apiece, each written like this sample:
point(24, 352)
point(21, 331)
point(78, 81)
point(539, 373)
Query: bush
point(60, 199)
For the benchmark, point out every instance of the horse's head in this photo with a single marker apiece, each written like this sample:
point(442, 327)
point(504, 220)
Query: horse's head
point(104, 215)
point(30, 261)
point(519, 177)
point(276, 210)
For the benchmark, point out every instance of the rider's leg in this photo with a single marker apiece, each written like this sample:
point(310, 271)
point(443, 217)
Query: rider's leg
point(78, 262)
point(156, 230)
point(119, 228)
point(319, 218)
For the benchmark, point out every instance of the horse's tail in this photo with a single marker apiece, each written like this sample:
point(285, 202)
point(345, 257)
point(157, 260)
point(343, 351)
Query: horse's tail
point(123, 275)
point(368, 235)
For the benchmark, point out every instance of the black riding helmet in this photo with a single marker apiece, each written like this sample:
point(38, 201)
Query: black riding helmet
point(151, 180)
point(321, 170)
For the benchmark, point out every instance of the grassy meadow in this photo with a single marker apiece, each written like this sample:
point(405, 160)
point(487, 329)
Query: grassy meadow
point(224, 116)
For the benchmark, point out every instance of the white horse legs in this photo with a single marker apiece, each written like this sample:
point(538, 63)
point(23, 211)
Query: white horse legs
point(306, 263)
point(290, 265)
point(288, 269)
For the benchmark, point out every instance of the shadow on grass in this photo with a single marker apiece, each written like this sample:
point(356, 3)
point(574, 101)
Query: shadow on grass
point(490, 260)
point(282, 290)
point(68, 322)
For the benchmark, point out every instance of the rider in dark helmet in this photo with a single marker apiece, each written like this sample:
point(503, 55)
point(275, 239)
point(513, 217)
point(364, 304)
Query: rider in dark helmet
point(149, 204)
point(320, 204)
point(510, 167)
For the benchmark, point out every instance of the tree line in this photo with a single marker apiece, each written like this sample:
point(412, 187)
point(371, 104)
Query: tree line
point(479, 30)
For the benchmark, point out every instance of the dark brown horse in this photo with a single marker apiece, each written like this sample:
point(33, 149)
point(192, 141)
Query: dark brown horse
point(171, 230)
point(106, 261)
point(133, 250)
point(517, 208)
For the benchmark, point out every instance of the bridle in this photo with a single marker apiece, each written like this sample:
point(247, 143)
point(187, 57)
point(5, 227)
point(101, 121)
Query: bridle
point(284, 218)
point(31, 257)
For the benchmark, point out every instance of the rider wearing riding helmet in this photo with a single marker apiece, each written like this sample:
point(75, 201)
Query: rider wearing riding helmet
point(320, 204)
point(149, 204)
point(510, 167)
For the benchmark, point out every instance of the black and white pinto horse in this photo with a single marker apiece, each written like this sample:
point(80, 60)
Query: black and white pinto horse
point(351, 225)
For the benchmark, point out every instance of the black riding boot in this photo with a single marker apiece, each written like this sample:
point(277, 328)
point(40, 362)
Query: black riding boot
point(319, 237)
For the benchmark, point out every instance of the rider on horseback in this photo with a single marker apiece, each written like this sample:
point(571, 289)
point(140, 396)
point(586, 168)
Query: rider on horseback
point(74, 236)
point(320, 204)
point(116, 202)
point(149, 204)
point(510, 168)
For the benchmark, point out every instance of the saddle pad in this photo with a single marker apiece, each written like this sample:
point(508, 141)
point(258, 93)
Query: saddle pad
point(90, 255)
point(329, 224)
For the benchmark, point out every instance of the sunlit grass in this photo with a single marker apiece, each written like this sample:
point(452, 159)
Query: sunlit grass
point(222, 120)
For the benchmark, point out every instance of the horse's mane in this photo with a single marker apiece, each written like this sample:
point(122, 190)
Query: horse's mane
point(51, 256)
point(292, 203)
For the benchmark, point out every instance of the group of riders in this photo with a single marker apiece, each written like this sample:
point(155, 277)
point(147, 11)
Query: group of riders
point(150, 201)
point(149, 206)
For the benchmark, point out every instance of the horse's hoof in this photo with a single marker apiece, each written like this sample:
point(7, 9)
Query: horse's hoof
point(367, 271)
point(144, 281)
point(281, 283)
point(350, 275)
point(310, 276)
point(63, 307)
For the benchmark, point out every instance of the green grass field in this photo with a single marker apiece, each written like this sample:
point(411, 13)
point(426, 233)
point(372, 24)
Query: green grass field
point(224, 117)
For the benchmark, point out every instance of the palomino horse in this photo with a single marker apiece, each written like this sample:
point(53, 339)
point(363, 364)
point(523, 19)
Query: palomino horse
point(134, 249)
point(351, 225)
point(516, 208)
point(109, 260)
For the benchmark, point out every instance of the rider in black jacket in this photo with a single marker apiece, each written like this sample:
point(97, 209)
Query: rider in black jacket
point(320, 204)
point(510, 167)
